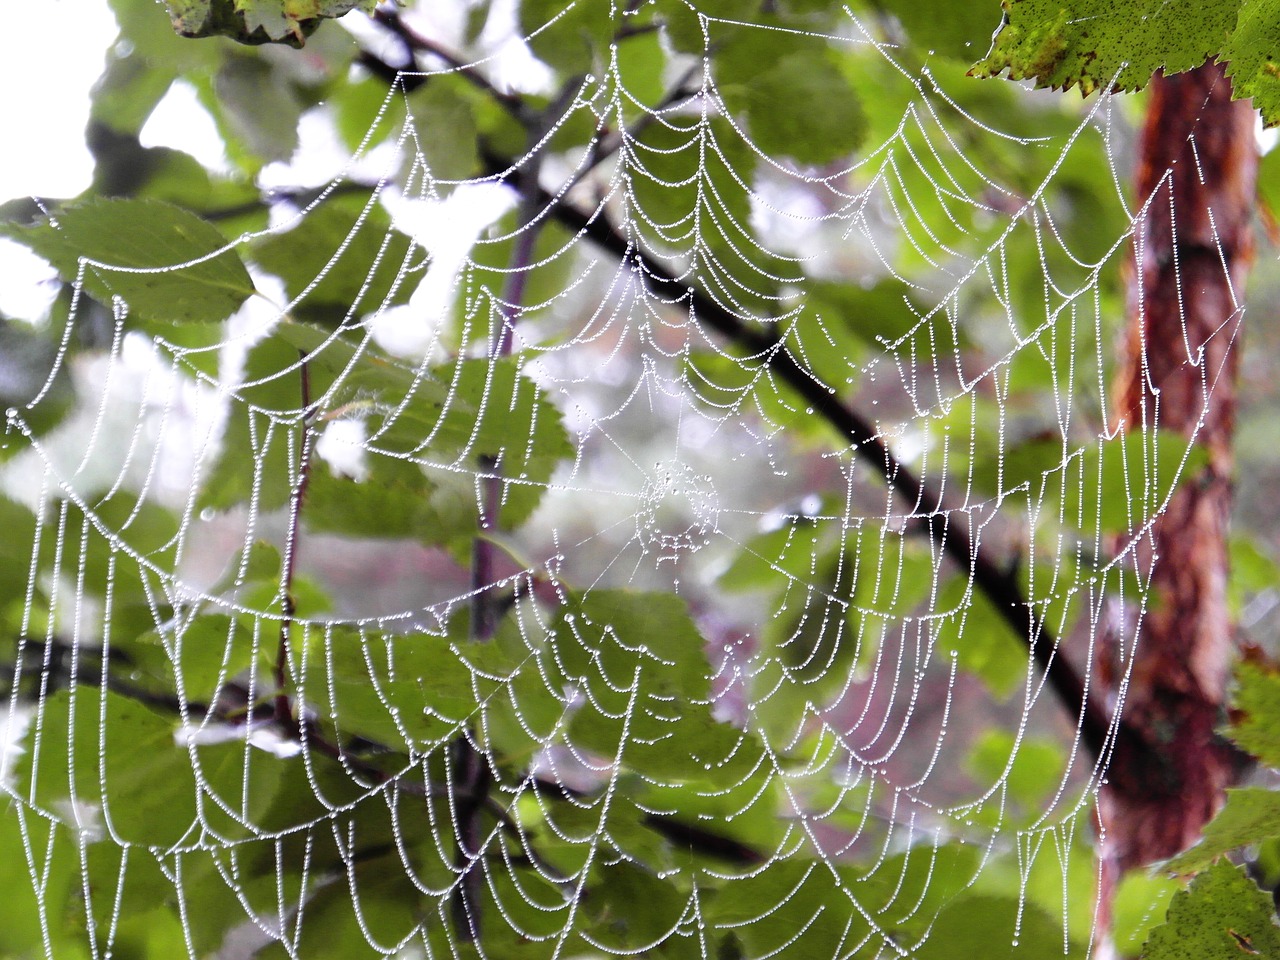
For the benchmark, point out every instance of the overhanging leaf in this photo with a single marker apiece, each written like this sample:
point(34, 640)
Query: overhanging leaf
point(1222, 915)
point(1090, 43)
point(1252, 52)
point(258, 21)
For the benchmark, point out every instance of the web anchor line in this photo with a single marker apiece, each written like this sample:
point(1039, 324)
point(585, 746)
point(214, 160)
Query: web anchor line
point(1098, 731)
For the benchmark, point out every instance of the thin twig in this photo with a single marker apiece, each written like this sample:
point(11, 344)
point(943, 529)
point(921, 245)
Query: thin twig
point(284, 710)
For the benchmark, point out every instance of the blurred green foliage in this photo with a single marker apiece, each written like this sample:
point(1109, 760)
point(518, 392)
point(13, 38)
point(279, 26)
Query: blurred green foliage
point(696, 839)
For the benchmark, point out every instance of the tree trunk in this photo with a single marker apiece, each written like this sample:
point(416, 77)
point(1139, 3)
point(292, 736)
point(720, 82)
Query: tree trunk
point(1193, 247)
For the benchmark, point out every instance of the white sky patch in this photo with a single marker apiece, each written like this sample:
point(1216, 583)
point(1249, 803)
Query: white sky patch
point(30, 284)
point(322, 157)
point(1266, 136)
point(341, 446)
point(448, 229)
point(50, 55)
point(142, 425)
point(514, 67)
point(181, 122)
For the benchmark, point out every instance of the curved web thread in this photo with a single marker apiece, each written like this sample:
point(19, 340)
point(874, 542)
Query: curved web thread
point(721, 657)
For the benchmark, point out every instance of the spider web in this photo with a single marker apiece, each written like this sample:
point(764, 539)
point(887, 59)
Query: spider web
point(707, 683)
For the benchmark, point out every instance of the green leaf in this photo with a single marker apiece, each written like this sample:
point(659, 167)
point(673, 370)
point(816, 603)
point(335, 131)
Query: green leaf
point(640, 62)
point(616, 890)
point(744, 812)
point(256, 449)
point(343, 260)
point(569, 37)
point(140, 70)
point(425, 450)
point(1269, 181)
point(1251, 815)
point(407, 691)
point(394, 500)
point(1256, 714)
point(638, 659)
point(446, 103)
point(612, 634)
point(15, 552)
point(30, 371)
point(976, 925)
point(1139, 906)
point(196, 656)
point(142, 779)
point(775, 559)
point(117, 529)
point(1088, 43)
point(1252, 52)
point(1221, 916)
point(795, 100)
point(28, 848)
point(488, 271)
point(684, 168)
point(797, 908)
point(494, 412)
point(878, 314)
point(129, 89)
point(258, 109)
point(122, 236)
point(957, 30)
point(978, 636)
point(1031, 769)
point(1101, 485)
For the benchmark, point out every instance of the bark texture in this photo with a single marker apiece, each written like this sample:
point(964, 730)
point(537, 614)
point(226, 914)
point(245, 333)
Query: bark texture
point(1192, 251)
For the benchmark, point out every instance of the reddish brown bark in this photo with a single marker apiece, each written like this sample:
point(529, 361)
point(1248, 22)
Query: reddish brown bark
point(1193, 247)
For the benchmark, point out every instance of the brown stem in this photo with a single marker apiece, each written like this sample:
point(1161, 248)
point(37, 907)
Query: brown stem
point(1192, 250)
